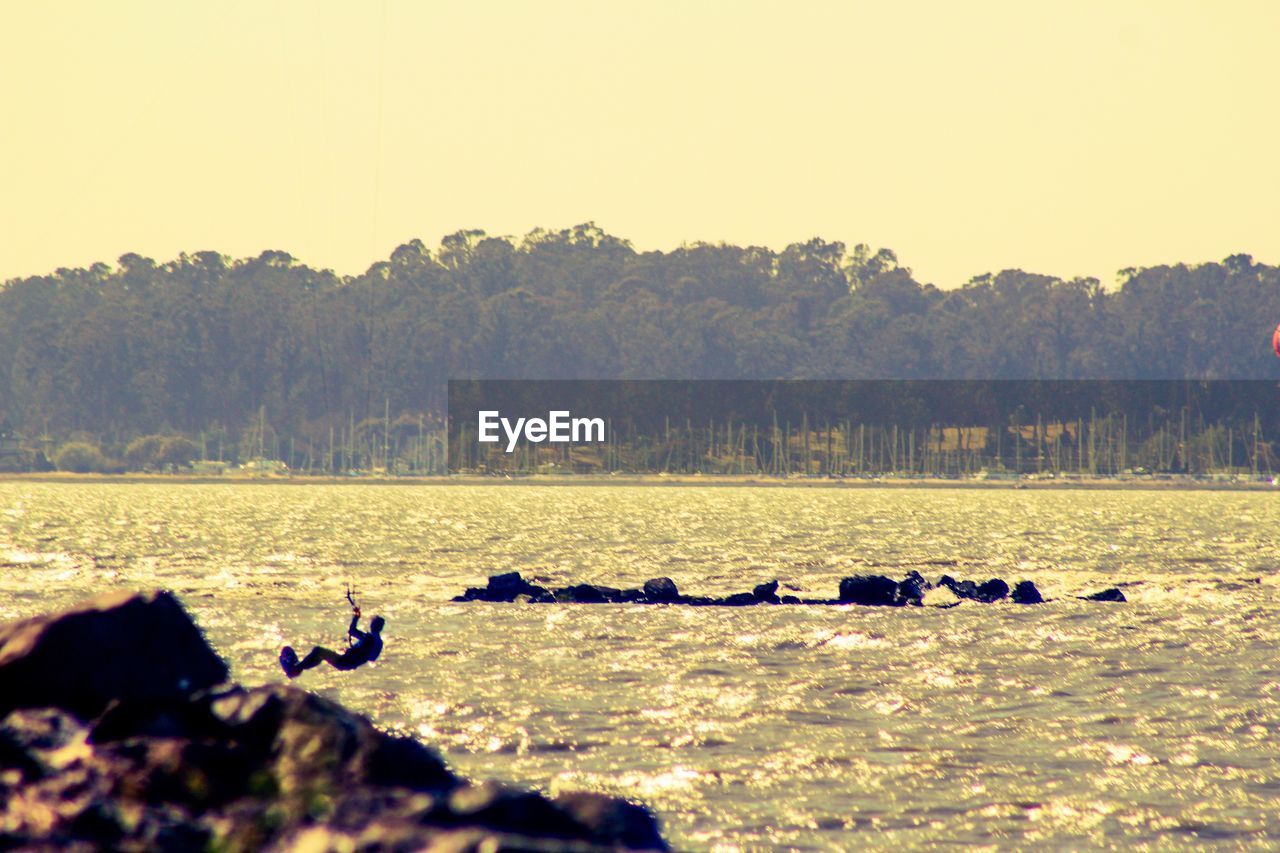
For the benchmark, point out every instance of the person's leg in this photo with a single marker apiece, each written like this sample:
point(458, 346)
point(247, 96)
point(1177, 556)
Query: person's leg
point(289, 662)
point(319, 655)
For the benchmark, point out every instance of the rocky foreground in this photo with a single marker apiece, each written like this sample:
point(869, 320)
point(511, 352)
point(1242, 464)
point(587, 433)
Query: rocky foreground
point(867, 590)
point(118, 731)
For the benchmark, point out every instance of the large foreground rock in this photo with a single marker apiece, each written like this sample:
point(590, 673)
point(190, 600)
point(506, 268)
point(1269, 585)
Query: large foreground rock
point(160, 766)
point(121, 646)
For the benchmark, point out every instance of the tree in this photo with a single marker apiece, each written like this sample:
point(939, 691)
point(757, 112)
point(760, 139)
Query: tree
point(80, 458)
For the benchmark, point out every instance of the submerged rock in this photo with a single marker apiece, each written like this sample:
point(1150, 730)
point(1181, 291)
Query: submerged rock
point(912, 588)
point(507, 581)
point(767, 593)
point(507, 587)
point(917, 578)
point(1112, 594)
point(1025, 592)
point(227, 767)
point(991, 591)
point(586, 593)
point(661, 590)
point(961, 589)
point(869, 590)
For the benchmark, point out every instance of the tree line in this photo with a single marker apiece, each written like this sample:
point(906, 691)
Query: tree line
point(269, 355)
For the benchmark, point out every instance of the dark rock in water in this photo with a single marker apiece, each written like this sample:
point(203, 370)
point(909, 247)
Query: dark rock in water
point(991, 591)
point(82, 659)
point(919, 580)
point(869, 590)
point(767, 593)
point(987, 592)
point(661, 590)
point(1025, 592)
point(579, 594)
point(230, 768)
point(507, 581)
point(912, 588)
point(1112, 594)
point(508, 587)
point(587, 593)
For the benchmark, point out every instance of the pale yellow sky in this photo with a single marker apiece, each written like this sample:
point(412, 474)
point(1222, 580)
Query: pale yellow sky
point(1067, 138)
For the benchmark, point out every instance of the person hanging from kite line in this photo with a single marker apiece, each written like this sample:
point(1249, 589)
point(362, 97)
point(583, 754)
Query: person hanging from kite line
point(367, 647)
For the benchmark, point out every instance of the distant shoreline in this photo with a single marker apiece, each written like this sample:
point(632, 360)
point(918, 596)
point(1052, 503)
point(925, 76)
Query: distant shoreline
point(655, 480)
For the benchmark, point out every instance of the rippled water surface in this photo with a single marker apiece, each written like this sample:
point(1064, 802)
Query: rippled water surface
point(1072, 723)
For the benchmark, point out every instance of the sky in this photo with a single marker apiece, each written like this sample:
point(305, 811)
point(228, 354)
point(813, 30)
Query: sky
point(1073, 139)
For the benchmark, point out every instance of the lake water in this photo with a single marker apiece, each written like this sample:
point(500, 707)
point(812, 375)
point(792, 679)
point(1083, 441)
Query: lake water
point(1070, 723)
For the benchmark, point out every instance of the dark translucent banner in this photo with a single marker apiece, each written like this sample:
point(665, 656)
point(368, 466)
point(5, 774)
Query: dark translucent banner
point(910, 428)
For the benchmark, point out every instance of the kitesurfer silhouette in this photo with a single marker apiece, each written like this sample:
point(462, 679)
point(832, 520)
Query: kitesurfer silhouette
point(367, 647)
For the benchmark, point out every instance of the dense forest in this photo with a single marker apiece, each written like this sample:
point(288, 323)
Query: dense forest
point(267, 356)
